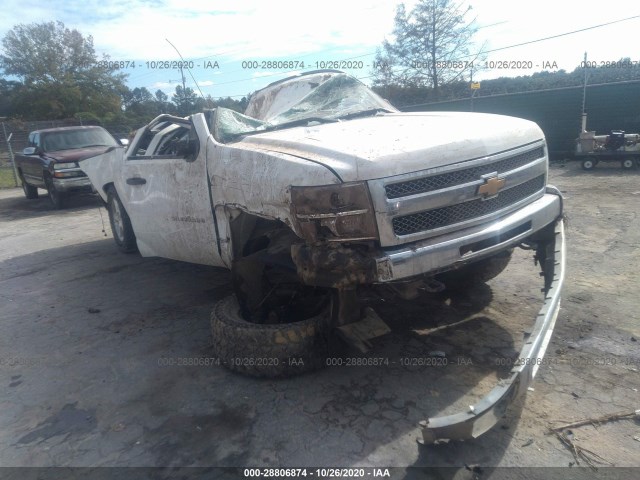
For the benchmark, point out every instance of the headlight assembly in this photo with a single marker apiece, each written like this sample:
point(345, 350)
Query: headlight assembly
point(334, 213)
point(62, 166)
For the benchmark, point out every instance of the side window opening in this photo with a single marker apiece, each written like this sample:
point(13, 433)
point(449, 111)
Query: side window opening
point(143, 144)
point(167, 140)
point(174, 143)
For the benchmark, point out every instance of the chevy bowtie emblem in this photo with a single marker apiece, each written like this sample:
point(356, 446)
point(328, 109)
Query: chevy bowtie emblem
point(491, 187)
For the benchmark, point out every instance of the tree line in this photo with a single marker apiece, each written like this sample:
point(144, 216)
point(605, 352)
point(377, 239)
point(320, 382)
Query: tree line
point(403, 95)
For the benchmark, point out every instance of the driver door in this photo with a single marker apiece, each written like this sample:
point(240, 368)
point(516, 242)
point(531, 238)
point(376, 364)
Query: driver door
point(164, 188)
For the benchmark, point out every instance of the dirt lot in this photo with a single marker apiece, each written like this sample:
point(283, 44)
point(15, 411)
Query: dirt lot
point(86, 334)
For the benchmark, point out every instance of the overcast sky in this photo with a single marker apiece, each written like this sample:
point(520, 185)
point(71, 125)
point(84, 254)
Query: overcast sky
point(330, 30)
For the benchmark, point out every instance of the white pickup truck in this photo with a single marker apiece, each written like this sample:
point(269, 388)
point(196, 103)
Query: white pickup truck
point(323, 188)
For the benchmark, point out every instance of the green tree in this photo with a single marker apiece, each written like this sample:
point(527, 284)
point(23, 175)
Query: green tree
point(185, 100)
point(59, 73)
point(430, 46)
point(137, 96)
point(139, 103)
point(237, 105)
point(8, 90)
point(163, 104)
point(161, 97)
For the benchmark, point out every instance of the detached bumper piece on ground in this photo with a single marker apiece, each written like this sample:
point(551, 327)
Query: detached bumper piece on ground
point(486, 413)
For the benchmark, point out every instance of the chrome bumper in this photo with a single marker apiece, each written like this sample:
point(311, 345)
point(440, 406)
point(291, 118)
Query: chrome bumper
point(488, 411)
point(473, 244)
point(72, 183)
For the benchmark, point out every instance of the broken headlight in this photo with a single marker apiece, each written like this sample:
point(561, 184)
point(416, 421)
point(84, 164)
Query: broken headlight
point(335, 213)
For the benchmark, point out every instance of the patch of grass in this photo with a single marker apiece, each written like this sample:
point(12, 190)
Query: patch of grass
point(6, 177)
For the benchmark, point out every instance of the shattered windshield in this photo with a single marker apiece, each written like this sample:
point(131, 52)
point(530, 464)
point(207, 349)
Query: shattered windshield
point(230, 124)
point(339, 98)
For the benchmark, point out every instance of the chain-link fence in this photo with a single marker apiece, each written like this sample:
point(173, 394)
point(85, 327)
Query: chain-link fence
point(8, 174)
point(14, 136)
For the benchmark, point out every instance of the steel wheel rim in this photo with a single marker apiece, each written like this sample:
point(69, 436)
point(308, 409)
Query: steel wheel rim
point(118, 223)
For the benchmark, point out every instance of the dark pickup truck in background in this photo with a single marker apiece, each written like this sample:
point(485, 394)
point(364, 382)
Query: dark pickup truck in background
point(50, 160)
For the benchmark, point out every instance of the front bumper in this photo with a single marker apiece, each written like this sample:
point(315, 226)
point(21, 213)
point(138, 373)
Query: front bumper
point(488, 411)
point(72, 183)
point(337, 266)
point(475, 243)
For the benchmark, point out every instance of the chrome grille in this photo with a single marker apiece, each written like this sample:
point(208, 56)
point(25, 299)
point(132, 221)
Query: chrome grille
point(450, 215)
point(444, 180)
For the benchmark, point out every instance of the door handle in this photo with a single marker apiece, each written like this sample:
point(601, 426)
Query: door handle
point(136, 181)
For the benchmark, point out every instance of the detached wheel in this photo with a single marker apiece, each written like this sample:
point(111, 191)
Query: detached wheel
point(120, 223)
point(30, 191)
point(56, 197)
point(628, 164)
point(589, 164)
point(478, 272)
point(268, 350)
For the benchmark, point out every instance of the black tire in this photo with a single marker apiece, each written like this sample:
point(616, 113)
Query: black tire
point(267, 350)
point(56, 197)
point(628, 164)
point(478, 272)
point(30, 191)
point(589, 164)
point(120, 223)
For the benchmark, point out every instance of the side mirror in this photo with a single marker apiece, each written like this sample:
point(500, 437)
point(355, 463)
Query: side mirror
point(124, 142)
point(29, 151)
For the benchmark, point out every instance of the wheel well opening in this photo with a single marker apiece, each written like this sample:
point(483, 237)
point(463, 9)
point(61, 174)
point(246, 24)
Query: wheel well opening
point(265, 278)
point(251, 234)
point(106, 187)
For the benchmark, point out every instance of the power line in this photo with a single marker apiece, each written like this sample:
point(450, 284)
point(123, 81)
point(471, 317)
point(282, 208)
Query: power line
point(466, 56)
point(492, 24)
point(559, 35)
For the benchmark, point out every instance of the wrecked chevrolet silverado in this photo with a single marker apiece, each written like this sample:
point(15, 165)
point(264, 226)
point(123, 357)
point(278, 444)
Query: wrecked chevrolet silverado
point(322, 189)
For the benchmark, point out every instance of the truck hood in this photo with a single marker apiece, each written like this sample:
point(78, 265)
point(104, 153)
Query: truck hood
point(76, 154)
point(398, 143)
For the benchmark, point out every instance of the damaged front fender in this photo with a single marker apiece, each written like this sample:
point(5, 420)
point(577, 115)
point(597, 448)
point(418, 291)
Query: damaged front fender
point(333, 266)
